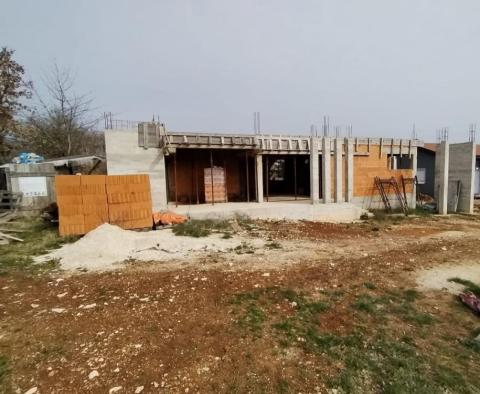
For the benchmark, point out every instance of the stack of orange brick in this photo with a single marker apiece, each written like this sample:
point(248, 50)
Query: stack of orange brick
point(129, 200)
point(94, 200)
point(70, 207)
point(217, 193)
point(86, 201)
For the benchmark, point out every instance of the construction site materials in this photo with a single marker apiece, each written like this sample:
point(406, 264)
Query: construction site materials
point(470, 300)
point(27, 158)
point(455, 188)
point(167, 218)
point(215, 185)
point(384, 187)
point(10, 237)
point(86, 201)
point(9, 200)
point(410, 181)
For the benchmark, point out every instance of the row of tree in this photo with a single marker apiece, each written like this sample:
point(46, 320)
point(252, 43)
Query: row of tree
point(56, 123)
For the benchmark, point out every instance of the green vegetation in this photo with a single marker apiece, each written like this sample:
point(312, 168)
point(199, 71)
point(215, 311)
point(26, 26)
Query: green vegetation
point(4, 374)
point(377, 363)
point(252, 309)
point(244, 222)
point(469, 286)
point(400, 303)
point(39, 237)
point(273, 245)
point(244, 248)
point(473, 342)
point(370, 286)
point(372, 356)
point(201, 228)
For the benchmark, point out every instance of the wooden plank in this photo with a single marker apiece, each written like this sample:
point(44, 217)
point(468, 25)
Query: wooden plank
point(3, 235)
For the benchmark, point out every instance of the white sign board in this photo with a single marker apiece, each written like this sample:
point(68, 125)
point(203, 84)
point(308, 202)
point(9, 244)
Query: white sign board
point(33, 186)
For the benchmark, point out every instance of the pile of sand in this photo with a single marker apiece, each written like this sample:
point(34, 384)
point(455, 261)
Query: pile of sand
point(108, 245)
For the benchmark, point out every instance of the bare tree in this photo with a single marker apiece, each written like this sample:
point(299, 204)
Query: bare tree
point(62, 124)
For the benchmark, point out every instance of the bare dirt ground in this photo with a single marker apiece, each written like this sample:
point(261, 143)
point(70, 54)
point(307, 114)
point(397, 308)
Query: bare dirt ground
point(325, 308)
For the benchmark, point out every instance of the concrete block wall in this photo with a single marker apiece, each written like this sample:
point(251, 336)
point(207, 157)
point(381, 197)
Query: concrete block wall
point(461, 168)
point(124, 157)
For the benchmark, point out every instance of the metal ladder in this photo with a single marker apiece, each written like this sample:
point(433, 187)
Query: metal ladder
point(390, 182)
point(414, 182)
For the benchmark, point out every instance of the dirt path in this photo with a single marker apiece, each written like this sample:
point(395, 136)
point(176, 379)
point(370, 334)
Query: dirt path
point(223, 323)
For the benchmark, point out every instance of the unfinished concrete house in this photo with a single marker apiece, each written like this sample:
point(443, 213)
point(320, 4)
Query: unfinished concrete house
point(266, 176)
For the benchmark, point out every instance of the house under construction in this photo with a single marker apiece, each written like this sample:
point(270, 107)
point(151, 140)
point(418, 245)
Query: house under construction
point(205, 173)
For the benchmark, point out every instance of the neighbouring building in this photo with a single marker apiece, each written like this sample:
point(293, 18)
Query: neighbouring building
point(426, 169)
point(271, 170)
point(36, 181)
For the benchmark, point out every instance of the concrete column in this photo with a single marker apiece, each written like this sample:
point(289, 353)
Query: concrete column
point(338, 169)
point(259, 176)
point(326, 171)
point(413, 201)
point(349, 172)
point(441, 177)
point(161, 192)
point(314, 171)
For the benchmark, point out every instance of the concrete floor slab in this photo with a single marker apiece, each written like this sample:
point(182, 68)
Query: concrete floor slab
point(294, 210)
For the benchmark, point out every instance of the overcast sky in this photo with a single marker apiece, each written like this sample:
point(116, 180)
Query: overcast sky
point(207, 65)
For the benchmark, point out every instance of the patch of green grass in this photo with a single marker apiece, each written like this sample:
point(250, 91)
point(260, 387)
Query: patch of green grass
point(282, 386)
point(380, 364)
point(244, 222)
point(399, 303)
point(421, 211)
point(254, 307)
point(366, 303)
point(369, 357)
point(245, 297)
point(273, 245)
point(469, 286)
point(473, 342)
point(200, 228)
point(4, 374)
point(369, 286)
point(252, 319)
point(287, 328)
point(39, 237)
point(244, 248)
